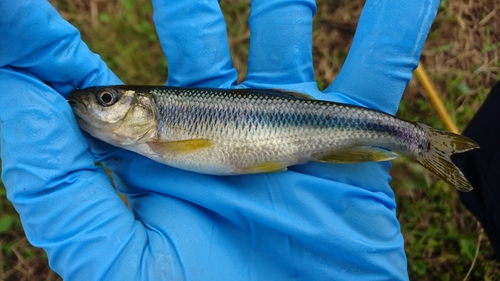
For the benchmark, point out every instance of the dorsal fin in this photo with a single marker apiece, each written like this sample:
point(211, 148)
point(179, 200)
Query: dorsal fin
point(294, 94)
point(278, 92)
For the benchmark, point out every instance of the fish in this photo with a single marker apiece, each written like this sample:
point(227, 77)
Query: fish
point(248, 131)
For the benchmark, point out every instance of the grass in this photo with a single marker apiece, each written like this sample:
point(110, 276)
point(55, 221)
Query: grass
point(443, 240)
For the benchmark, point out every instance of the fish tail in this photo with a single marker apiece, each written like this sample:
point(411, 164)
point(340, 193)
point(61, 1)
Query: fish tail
point(437, 156)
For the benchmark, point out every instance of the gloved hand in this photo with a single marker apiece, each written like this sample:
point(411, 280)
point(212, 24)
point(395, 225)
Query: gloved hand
point(316, 221)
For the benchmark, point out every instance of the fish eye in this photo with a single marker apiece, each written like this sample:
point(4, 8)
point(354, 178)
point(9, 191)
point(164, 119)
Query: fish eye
point(106, 98)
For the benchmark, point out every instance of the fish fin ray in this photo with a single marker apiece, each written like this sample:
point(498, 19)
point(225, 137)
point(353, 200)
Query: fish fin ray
point(437, 157)
point(358, 154)
point(182, 146)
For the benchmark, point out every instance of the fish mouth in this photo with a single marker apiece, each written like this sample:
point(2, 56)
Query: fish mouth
point(77, 104)
point(73, 103)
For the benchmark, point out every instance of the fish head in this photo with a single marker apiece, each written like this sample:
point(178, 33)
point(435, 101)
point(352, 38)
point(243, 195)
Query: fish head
point(118, 116)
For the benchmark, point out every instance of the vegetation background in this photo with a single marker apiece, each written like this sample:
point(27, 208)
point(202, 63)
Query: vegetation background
point(443, 240)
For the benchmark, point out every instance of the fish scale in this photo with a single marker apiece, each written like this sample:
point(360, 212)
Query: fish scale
point(268, 123)
point(245, 131)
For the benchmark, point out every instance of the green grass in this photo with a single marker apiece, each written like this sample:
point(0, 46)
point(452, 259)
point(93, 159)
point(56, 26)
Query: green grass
point(461, 57)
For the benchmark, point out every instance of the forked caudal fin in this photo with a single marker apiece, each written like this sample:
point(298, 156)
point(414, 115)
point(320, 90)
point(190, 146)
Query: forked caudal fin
point(437, 157)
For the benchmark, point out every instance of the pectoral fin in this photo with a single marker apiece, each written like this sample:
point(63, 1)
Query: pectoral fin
point(266, 167)
point(358, 154)
point(183, 146)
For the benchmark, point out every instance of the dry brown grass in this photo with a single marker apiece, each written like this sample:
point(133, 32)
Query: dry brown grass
point(23, 262)
point(335, 24)
point(464, 48)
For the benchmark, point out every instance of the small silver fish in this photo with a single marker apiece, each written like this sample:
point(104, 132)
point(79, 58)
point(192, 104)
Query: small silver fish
point(246, 131)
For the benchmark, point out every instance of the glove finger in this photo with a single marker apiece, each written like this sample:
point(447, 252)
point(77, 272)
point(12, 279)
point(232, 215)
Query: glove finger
point(280, 43)
point(66, 203)
point(193, 38)
point(33, 124)
point(43, 43)
point(385, 50)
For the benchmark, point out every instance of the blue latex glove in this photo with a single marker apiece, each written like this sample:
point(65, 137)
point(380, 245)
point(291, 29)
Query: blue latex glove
point(314, 222)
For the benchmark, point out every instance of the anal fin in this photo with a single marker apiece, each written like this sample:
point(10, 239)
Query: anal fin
point(358, 154)
point(182, 146)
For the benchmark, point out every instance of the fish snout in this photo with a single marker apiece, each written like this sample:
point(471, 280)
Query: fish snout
point(78, 103)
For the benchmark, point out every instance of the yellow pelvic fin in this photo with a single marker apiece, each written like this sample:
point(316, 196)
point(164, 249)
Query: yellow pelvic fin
point(358, 154)
point(183, 146)
point(266, 167)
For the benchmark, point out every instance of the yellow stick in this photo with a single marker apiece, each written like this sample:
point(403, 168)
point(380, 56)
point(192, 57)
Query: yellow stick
point(435, 100)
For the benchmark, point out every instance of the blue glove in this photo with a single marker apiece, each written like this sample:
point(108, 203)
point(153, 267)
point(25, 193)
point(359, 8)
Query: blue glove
point(316, 221)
